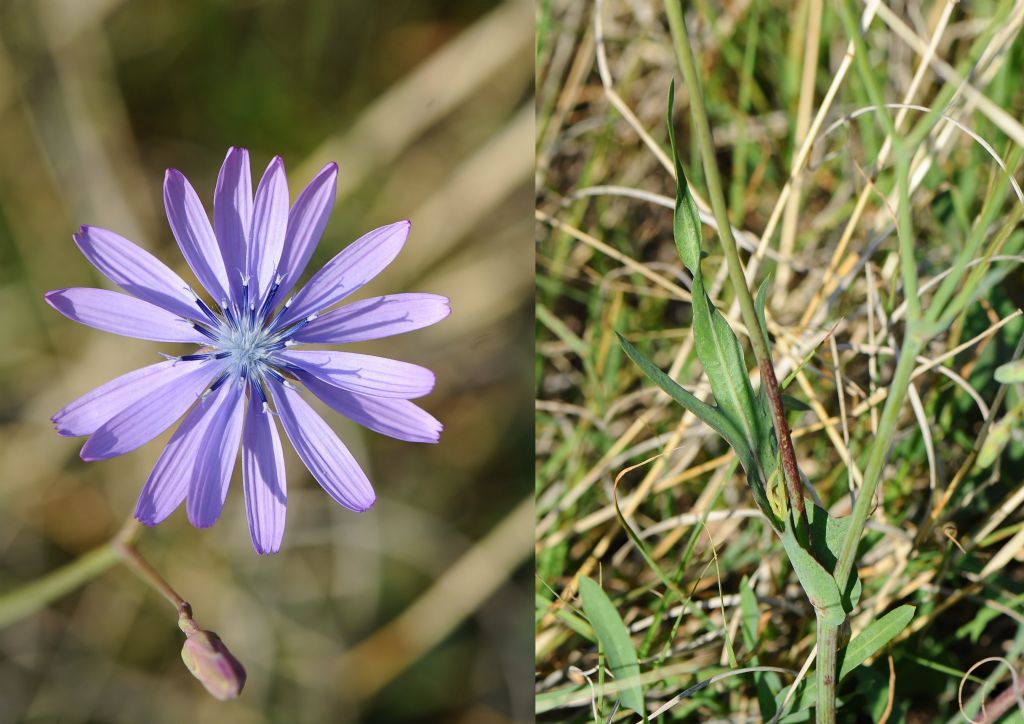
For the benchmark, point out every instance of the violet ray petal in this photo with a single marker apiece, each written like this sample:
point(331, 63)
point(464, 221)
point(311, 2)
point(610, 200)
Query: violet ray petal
point(263, 478)
point(191, 227)
point(232, 216)
point(121, 314)
point(357, 264)
point(136, 271)
point(375, 318)
point(306, 223)
point(86, 414)
point(399, 419)
point(151, 414)
point(178, 463)
point(269, 225)
point(214, 453)
point(364, 373)
point(321, 451)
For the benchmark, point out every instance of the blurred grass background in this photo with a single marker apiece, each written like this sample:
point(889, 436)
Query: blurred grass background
point(606, 261)
point(415, 611)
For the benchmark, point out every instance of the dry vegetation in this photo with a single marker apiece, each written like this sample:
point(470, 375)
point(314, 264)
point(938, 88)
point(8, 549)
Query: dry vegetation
point(810, 189)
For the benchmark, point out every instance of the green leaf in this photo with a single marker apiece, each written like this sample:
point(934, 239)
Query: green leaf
point(686, 220)
point(880, 632)
point(709, 415)
point(794, 404)
point(827, 536)
point(750, 615)
point(817, 582)
point(614, 638)
point(759, 301)
point(867, 643)
point(719, 350)
point(1010, 372)
point(715, 418)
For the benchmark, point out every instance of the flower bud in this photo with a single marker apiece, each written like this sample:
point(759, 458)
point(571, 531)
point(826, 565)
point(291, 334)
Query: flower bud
point(209, 660)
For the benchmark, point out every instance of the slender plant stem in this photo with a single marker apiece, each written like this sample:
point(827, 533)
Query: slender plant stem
point(142, 568)
point(825, 670)
point(876, 459)
point(758, 336)
point(32, 597)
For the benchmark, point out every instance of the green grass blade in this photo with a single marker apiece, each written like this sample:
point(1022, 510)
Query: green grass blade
point(614, 638)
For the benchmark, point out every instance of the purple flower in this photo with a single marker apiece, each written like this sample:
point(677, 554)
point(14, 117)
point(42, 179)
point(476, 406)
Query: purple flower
point(251, 356)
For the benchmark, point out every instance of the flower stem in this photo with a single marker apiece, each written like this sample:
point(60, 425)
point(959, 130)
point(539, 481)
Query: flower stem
point(142, 568)
point(37, 595)
point(825, 672)
point(26, 600)
point(758, 336)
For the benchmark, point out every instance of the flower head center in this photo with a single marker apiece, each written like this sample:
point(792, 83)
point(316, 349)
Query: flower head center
point(249, 346)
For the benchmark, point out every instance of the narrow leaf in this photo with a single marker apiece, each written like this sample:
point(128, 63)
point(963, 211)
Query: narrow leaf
point(614, 639)
point(686, 221)
point(720, 354)
point(827, 536)
point(818, 583)
point(710, 416)
point(716, 419)
point(748, 625)
point(874, 637)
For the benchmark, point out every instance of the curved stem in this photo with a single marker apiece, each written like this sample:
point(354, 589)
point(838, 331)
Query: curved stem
point(32, 597)
point(37, 595)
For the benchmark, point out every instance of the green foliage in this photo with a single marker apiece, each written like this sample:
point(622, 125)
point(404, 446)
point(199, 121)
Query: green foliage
point(614, 640)
point(1010, 372)
point(871, 640)
point(817, 582)
point(738, 416)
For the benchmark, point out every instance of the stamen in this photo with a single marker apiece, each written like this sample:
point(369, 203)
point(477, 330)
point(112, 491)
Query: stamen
point(245, 292)
point(268, 302)
point(193, 357)
point(202, 306)
point(218, 382)
point(290, 332)
point(257, 386)
point(272, 325)
point(204, 331)
point(232, 320)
